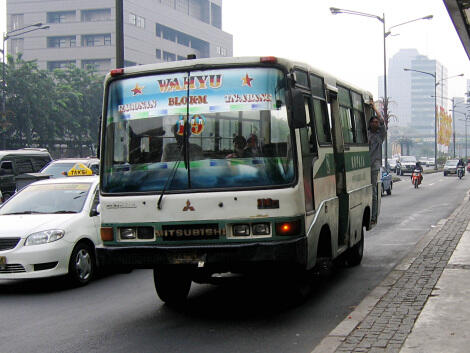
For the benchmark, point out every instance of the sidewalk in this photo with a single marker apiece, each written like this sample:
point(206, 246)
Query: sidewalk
point(422, 305)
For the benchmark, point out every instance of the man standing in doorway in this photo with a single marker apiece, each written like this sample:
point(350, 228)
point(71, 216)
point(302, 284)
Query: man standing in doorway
point(376, 135)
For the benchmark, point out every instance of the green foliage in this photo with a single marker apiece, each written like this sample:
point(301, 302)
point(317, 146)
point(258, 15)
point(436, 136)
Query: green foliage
point(45, 107)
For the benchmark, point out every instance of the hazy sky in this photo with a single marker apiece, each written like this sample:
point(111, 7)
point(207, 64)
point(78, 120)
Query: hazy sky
point(347, 46)
point(344, 45)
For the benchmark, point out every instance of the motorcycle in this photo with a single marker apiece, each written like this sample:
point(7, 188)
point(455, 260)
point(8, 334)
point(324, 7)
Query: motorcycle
point(460, 171)
point(416, 178)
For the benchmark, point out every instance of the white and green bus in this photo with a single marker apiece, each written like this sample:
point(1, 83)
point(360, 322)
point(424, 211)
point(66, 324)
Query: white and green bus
point(232, 165)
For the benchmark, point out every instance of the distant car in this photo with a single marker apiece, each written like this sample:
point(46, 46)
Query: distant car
point(423, 160)
point(451, 167)
point(392, 162)
point(58, 168)
point(51, 228)
point(387, 182)
point(431, 162)
point(406, 164)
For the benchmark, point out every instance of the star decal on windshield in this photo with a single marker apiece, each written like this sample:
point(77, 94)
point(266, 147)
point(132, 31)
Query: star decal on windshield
point(247, 81)
point(137, 90)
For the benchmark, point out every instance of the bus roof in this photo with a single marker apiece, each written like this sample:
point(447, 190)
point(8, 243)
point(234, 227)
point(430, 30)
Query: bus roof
point(201, 64)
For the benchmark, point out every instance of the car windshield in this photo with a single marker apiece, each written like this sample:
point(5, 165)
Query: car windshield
point(408, 159)
point(451, 163)
point(58, 170)
point(237, 134)
point(48, 199)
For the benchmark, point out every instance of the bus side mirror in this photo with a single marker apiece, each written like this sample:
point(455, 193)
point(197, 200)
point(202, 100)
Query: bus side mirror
point(299, 118)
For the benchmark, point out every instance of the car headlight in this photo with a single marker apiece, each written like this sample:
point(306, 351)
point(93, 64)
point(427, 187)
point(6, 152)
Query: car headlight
point(46, 236)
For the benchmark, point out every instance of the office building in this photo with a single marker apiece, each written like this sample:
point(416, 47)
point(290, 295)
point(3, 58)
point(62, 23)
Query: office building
point(83, 32)
point(422, 92)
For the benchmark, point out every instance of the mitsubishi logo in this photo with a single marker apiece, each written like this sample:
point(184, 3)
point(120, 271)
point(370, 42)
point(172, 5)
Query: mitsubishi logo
point(188, 206)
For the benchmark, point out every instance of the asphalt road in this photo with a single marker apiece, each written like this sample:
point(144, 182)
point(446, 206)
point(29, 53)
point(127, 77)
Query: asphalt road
point(121, 313)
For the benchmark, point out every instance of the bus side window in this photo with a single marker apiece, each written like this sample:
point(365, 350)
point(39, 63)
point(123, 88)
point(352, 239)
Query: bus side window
point(345, 114)
point(308, 138)
point(320, 111)
point(360, 133)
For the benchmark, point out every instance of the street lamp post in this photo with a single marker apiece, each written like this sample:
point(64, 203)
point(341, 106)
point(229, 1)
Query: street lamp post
point(433, 74)
point(336, 11)
point(7, 36)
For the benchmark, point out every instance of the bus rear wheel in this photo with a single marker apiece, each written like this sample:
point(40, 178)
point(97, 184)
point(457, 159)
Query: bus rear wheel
point(172, 284)
point(355, 253)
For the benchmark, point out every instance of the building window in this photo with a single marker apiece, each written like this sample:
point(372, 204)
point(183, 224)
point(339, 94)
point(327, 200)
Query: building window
point(61, 42)
point(170, 34)
point(216, 16)
point(96, 64)
point(17, 45)
point(168, 56)
point(61, 17)
point(140, 22)
point(96, 15)
point(128, 63)
point(52, 65)
point(96, 40)
point(132, 19)
point(17, 21)
point(182, 6)
point(136, 20)
point(158, 53)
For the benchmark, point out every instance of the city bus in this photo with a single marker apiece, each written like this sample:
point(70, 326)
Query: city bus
point(232, 166)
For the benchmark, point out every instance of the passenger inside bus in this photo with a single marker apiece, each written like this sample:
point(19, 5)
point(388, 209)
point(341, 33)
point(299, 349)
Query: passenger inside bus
point(239, 145)
point(174, 151)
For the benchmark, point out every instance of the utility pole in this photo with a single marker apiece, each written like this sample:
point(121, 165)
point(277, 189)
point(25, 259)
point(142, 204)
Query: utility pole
point(119, 33)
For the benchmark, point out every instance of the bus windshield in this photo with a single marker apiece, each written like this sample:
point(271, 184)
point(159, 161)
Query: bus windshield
point(237, 134)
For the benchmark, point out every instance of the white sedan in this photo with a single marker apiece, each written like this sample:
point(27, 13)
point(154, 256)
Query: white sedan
point(50, 228)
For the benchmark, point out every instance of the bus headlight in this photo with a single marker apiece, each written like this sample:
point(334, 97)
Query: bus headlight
point(261, 229)
point(242, 230)
point(127, 233)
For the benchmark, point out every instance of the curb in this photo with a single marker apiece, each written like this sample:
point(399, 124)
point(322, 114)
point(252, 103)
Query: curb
point(338, 335)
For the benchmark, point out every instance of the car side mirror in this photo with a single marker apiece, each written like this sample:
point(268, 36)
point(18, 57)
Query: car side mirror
point(95, 211)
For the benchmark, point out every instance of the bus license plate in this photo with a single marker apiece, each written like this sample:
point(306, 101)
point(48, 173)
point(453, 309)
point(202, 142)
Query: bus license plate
point(3, 262)
point(187, 258)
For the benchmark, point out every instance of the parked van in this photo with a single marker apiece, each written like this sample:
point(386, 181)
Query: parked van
point(16, 162)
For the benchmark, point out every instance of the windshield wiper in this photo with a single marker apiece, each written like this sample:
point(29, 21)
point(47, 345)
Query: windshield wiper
point(24, 212)
point(64, 211)
point(168, 182)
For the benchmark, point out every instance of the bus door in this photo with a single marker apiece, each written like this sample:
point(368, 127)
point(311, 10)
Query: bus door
point(340, 166)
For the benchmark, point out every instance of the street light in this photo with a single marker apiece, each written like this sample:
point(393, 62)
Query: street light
point(453, 118)
point(7, 36)
point(335, 11)
point(433, 74)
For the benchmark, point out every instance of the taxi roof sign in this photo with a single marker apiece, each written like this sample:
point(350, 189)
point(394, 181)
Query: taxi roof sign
point(79, 170)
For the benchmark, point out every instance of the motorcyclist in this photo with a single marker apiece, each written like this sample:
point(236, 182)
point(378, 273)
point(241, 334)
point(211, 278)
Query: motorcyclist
point(420, 168)
point(461, 164)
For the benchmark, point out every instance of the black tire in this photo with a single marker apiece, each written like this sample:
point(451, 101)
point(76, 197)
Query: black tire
point(82, 264)
point(445, 173)
point(416, 183)
point(172, 284)
point(389, 191)
point(355, 253)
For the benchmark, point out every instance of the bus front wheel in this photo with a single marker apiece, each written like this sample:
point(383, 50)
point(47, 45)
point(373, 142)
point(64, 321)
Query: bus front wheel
point(172, 284)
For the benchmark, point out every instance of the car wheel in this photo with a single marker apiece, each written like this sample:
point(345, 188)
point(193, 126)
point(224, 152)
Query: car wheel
point(355, 253)
point(172, 284)
point(82, 264)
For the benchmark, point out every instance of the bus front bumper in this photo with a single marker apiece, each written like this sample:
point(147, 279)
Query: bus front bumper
point(223, 257)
